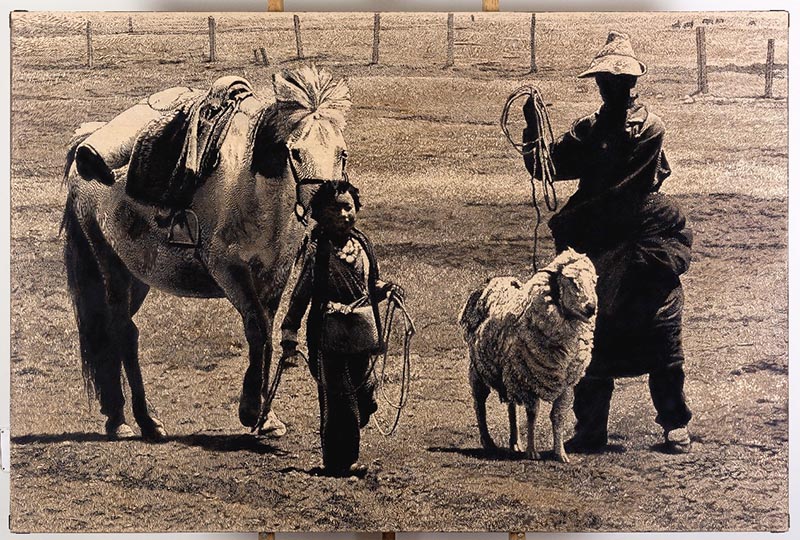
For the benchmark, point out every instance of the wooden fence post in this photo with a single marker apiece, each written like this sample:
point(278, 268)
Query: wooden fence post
point(770, 68)
point(130, 25)
point(89, 47)
point(264, 57)
point(702, 73)
point(297, 38)
point(450, 40)
point(376, 38)
point(212, 39)
point(534, 69)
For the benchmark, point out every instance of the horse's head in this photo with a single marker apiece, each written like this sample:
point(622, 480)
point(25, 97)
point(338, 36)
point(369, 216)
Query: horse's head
point(301, 138)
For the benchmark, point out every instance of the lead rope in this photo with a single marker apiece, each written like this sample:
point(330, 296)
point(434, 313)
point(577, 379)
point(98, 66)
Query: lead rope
point(405, 376)
point(540, 150)
point(405, 380)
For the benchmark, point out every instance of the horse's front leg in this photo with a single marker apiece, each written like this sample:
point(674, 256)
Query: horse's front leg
point(237, 282)
point(257, 329)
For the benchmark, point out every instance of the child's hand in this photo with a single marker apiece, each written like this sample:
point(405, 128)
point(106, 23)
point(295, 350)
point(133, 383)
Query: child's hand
point(292, 357)
point(336, 307)
point(393, 290)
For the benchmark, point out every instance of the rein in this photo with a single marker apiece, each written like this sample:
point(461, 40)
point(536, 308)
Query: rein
point(539, 149)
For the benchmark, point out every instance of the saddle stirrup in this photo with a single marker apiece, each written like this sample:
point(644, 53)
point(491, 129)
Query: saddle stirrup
point(184, 229)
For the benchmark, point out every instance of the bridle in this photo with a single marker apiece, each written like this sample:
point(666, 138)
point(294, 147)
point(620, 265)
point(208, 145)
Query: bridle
point(300, 209)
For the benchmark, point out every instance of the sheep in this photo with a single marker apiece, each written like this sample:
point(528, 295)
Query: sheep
point(532, 341)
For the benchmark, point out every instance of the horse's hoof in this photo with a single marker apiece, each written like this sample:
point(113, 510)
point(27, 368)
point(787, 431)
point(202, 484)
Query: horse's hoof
point(119, 432)
point(273, 427)
point(155, 432)
point(562, 457)
point(248, 413)
point(488, 445)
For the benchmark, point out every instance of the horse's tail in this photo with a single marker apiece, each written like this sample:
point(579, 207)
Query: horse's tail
point(72, 149)
point(80, 135)
point(88, 292)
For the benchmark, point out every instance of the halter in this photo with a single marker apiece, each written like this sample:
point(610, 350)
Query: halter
point(300, 210)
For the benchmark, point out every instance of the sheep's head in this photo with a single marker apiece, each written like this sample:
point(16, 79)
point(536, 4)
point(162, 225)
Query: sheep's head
point(573, 283)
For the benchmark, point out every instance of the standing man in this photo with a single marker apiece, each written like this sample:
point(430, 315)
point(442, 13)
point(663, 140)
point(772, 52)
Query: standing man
point(637, 239)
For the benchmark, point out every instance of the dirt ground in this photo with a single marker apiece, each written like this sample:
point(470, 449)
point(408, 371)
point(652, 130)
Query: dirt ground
point(447, 205)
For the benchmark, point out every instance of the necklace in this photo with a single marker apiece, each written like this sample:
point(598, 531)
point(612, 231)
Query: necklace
point(350, 252)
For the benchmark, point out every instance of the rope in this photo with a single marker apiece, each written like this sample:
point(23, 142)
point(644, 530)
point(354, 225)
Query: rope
point(410, 330)
point(266, 406)
point(539, 149)
point(405, 375)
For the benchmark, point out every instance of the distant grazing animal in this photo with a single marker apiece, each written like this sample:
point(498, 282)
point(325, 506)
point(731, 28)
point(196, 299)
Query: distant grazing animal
point(273, 155)
point(689, 24)
point(719, 21)
point(708, 21)
point(676, 24)
point(532, 341)
point(751, 23)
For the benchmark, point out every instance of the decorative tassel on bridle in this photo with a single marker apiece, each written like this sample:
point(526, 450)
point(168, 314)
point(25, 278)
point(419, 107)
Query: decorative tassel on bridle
point(539, 149)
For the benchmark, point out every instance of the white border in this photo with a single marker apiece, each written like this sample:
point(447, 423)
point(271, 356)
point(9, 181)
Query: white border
point(392, 5)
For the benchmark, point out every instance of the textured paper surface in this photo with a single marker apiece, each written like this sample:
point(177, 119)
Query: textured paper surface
point(447, 205)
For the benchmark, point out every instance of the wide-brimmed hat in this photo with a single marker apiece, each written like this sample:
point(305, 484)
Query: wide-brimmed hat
point(616, 57)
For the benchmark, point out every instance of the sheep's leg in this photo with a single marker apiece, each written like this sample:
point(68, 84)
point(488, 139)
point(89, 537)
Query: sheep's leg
point(480, 392)
point(558, 414)
point(513, 428)
point(531, 412)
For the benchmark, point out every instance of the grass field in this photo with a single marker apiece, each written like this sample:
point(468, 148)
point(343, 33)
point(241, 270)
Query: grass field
point(447, 204)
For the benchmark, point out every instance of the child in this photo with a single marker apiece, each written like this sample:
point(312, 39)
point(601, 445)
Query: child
point(339, 269)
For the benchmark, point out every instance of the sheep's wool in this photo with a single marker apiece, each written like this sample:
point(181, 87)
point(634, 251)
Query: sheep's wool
point(520, 343)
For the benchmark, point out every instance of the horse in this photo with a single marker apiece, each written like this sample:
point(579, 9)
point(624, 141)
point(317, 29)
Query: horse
point(251, 219)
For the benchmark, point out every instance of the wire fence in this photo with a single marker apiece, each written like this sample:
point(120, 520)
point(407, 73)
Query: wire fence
point(700, 49)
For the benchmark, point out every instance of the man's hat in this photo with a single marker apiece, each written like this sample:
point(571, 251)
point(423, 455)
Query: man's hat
point(616, 57)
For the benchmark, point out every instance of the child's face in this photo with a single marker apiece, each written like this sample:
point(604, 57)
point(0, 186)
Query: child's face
point(339, 217)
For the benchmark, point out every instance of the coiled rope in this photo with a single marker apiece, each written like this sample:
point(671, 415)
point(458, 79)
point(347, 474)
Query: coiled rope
point(539, 149)
point(405, 378)
point(405, 375)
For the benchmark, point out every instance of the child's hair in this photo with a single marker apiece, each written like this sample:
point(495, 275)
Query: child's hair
point(327, 193)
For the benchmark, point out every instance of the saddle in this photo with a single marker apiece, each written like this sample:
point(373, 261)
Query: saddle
point(175, 152)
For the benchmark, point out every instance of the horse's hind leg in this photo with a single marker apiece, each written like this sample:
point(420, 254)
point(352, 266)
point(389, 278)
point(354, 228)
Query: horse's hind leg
point(102, 369)
point(152, 428)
